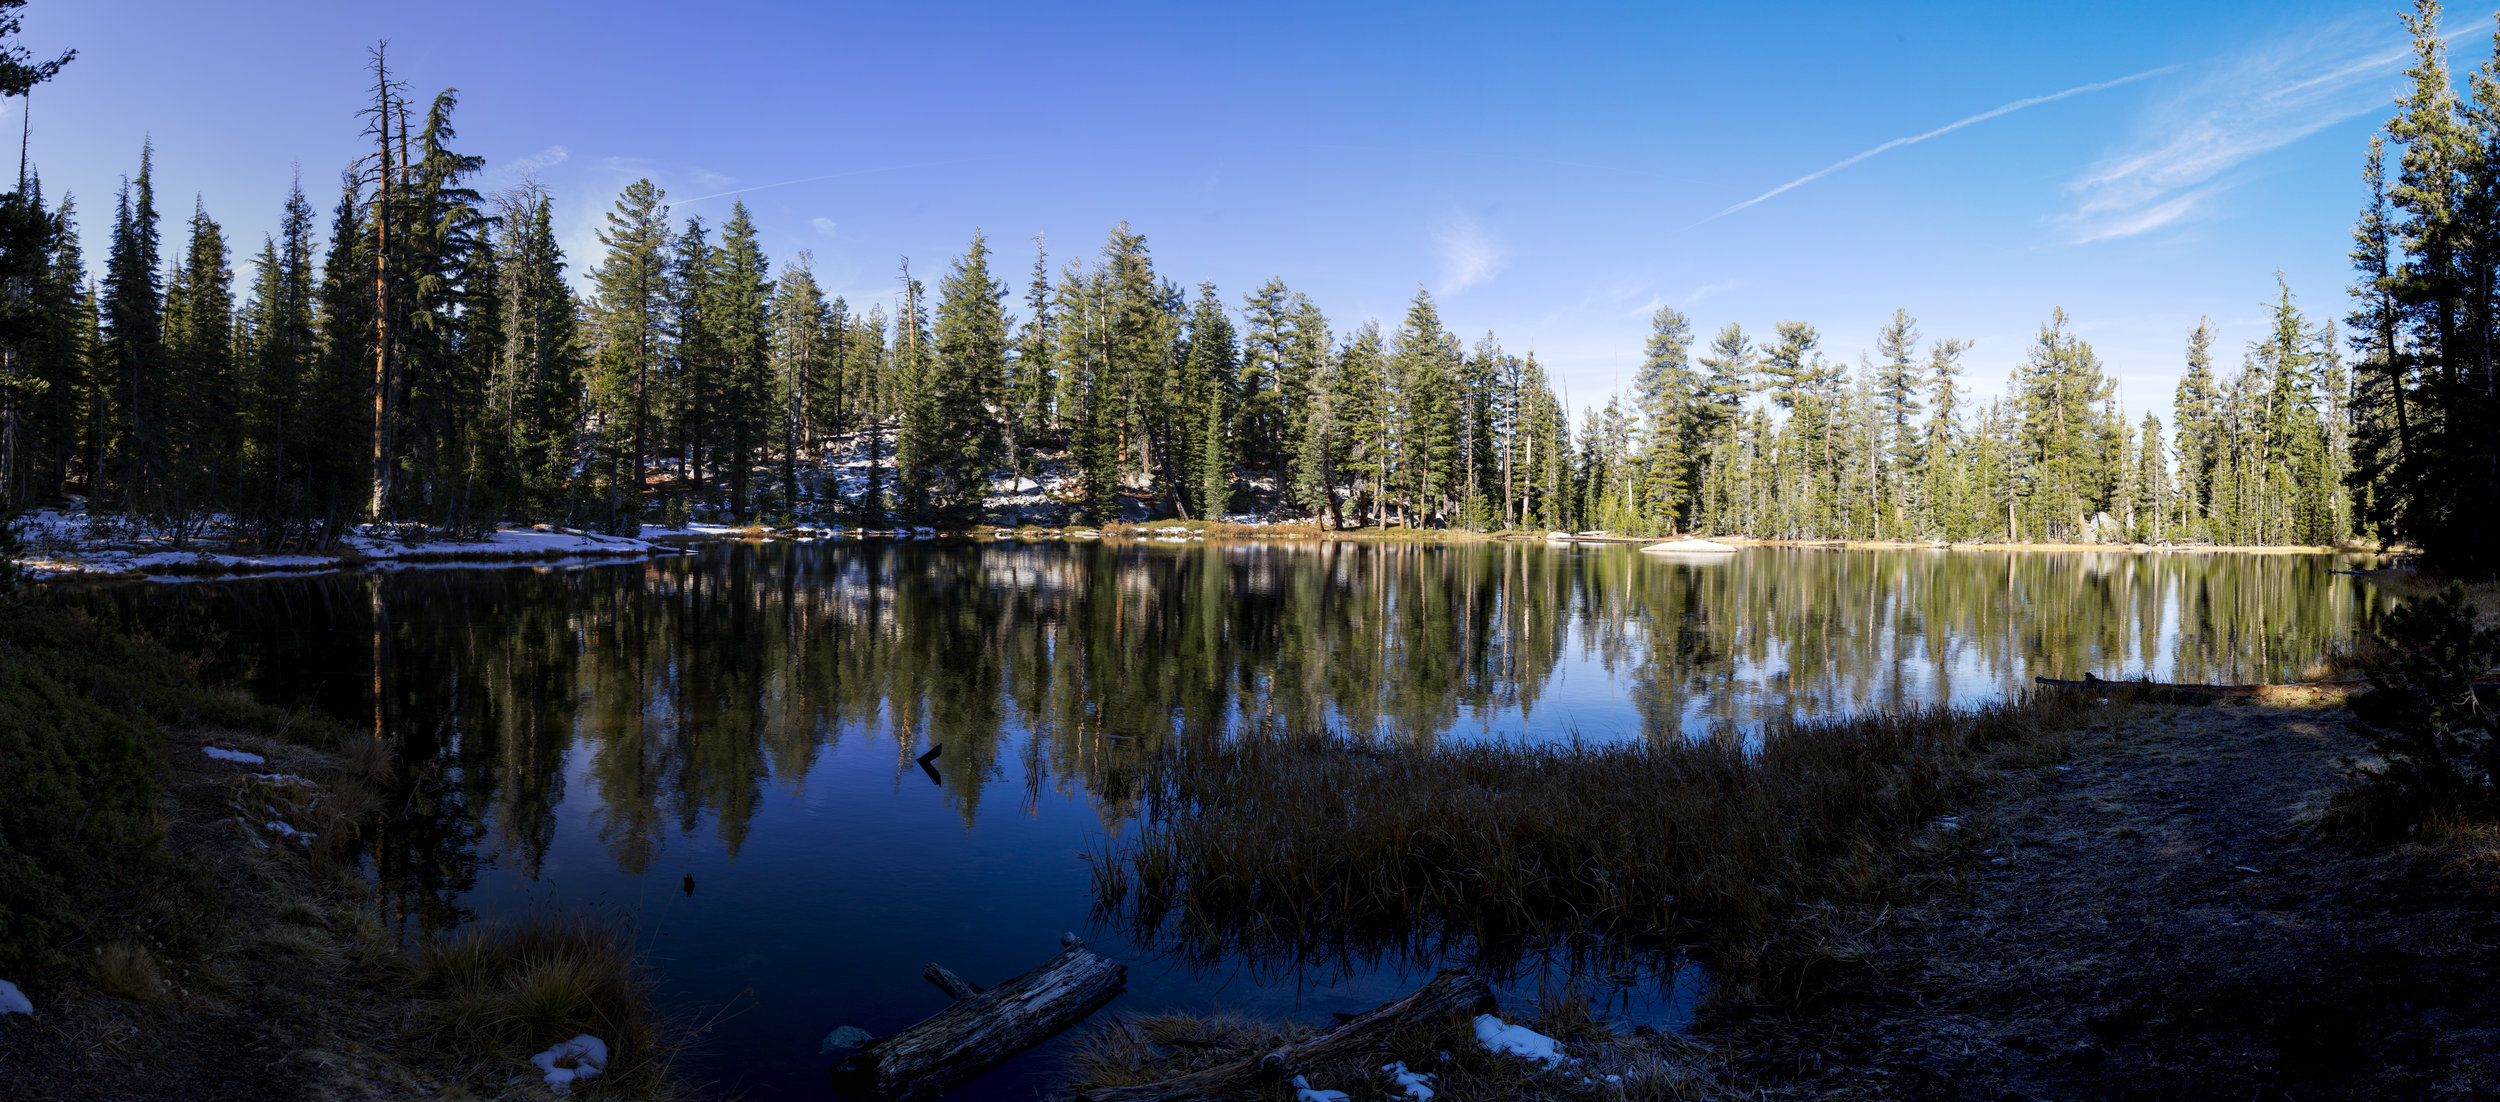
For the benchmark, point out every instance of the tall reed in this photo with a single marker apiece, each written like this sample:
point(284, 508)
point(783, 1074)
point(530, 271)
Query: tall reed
point(1313, 846)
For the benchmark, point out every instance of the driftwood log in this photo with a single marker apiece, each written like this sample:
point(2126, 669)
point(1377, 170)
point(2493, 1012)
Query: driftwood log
point(2099, 684)
point(983, 1029)
point(1451, 994)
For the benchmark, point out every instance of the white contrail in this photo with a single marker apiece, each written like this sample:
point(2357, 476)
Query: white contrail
point(1947, 128)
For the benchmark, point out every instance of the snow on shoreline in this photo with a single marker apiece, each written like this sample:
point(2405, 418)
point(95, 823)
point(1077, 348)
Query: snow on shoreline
point(61, 548)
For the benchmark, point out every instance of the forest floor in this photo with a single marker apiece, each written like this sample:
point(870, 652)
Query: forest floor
point(2158, 916)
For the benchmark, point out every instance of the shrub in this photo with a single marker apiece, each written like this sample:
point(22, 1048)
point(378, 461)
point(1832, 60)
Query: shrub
point(2437, 744)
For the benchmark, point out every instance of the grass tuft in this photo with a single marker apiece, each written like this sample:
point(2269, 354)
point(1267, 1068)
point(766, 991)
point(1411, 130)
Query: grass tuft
point(127, 970)
point(506, 992)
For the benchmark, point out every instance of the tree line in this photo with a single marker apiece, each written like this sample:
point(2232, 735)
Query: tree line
point(2426, 251)
point(426, 361)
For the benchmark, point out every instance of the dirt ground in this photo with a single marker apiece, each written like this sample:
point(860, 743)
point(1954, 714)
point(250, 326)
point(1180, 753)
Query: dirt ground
point(286, 1006)
point(2156, 916)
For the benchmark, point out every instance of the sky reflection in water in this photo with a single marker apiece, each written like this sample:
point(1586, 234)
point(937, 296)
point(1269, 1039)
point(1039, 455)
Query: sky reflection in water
point(749, 715)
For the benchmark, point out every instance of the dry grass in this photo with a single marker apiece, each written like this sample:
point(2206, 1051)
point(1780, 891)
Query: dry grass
point(505, 992)
point(1321, 846)
point(126, 969)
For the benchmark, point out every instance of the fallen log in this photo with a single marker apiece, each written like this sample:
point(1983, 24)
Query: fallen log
point(1450, 995)
point(2355, 685)
point(983, 1029)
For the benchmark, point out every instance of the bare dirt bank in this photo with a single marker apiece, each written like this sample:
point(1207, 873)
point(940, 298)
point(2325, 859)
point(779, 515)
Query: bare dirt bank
point(2157, 916)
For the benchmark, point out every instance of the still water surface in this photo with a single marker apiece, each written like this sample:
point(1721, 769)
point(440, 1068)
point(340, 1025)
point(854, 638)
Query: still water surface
point(748, 715)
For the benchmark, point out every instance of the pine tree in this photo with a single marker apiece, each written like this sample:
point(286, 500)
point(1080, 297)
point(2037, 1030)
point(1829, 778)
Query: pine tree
point(1718, 415)
point(740, 317)
point(134, 337)
point(1310, 387)
point(2381, 427)
point(867, 351)
point(203, 401)
point(917, 434)
point(2152, 487)
point(277, 349)
point(1421, 368)
point(1274, 391)
point(2200, 445)
point(445, 328)
point(1667, 390)
point(2066, 451)
point(1364, 417)
point(1033, 378)
point(1941, 458)
point(969, 393)
point(689, 374)
point(629, 318)
point(802, 331)
point(59, 358)
point(1210, 373)
point(541, 368)
point(337, 406)
point(1898, 382)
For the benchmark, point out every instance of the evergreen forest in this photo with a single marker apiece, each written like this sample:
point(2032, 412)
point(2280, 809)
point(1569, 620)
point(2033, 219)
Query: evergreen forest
point(418, 357)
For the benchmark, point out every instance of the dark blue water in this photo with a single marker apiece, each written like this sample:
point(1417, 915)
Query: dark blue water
point(749, 715)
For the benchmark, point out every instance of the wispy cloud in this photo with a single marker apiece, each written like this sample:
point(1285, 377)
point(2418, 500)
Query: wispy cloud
point(822, 225)
point(2243, 106)
point(1470, 254)
point(1947, 128)
point(523, 166)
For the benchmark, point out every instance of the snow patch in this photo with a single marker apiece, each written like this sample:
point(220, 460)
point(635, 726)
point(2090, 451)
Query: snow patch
point(1416, 1084)
point(569, 1062)
point(1518, 1040)
point(243, 756)
point(14, 1001)
point(1303, 1092)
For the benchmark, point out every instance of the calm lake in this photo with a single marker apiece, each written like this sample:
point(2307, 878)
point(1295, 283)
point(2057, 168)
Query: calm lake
point(749, 715)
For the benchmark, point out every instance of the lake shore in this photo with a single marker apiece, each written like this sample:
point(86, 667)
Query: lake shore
point(65, 548)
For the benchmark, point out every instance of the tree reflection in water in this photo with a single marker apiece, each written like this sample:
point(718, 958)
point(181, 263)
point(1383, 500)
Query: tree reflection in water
point(689, 683)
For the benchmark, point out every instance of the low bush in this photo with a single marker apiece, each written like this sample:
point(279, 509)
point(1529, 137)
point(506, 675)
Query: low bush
point(2435, 735)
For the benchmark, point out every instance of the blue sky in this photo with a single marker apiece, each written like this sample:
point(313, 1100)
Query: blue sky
point(1549, 172)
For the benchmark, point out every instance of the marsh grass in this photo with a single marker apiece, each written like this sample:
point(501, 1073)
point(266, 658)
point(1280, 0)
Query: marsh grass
point(1321, 846)
point(506, 992)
